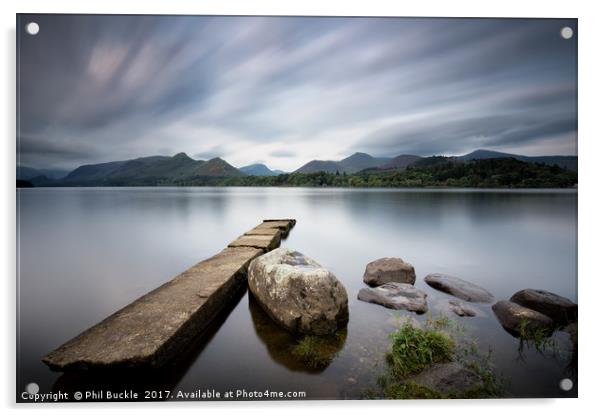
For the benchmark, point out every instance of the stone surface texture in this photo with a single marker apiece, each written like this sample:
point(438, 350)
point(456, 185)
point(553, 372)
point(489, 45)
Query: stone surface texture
point(460, 288)
point(298, 293)
point(396, 296)
point(512, 316)
point(559, 309)
point(384, 270)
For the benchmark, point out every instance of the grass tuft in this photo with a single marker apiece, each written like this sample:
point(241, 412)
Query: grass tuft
point(415, 349)
point(318, 351)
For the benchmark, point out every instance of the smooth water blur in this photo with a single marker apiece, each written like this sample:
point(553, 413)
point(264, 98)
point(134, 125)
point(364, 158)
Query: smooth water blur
point(86, 252)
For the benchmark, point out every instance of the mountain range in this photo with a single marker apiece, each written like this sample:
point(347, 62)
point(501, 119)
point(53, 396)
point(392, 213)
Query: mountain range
point(180, 168)
point(568, 162)
point(150, 170)
point(362, 161)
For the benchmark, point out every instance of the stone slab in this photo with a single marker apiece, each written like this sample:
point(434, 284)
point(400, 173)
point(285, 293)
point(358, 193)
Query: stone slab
point(264, 242)
point(283, 224)
point(152, 329)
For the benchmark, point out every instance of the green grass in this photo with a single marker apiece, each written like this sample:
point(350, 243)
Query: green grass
point(415, 349)
point(411, 391)
point(538, 337)
point(319, 351)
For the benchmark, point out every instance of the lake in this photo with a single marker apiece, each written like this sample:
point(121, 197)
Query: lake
point(84, 253)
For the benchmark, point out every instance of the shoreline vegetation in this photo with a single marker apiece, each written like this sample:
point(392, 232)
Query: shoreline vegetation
point(429, 172)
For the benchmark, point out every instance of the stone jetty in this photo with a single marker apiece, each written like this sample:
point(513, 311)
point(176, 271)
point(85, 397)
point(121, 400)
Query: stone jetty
point(152, 330)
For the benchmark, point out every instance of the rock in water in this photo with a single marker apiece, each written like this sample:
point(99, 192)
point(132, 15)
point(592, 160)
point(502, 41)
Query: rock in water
point(298, 293)
point(450, 377)
point(465, 290)
point(513, 316)
point(397, 296)
point(386, 270)
point(461, 309)
point(559, 309)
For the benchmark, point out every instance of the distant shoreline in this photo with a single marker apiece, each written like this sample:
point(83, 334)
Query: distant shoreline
point(484, 173)
point(429, 187)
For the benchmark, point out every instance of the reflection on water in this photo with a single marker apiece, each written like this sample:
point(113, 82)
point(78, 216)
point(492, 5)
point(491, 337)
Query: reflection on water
point(285, 349)
point(85, 253)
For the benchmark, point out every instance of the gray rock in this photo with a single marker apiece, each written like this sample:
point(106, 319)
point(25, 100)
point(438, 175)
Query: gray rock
point(571, 329)
point(512, 315)
point(447, 378)
point(386, 270)
point(298, 293)
point(460, 288)
point(559, 309)
point(461, 309)
point(397, 296)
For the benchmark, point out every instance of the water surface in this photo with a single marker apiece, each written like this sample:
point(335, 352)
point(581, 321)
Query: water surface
point(86, 252)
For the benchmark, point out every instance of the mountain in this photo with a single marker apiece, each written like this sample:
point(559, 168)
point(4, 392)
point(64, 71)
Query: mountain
point(260, 170)
point(354, 163)
point(400, 162)
point(217, 167)
point(564, 161)
point(431, 161)
point(27, 173)
point(96, 172)
point(319, 166)
point(360, 161)
point(152, 170)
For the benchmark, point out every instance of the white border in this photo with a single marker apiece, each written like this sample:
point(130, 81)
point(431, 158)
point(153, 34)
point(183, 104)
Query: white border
point(590, 152)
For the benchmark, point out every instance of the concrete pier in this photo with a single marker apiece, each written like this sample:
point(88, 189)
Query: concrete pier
point(152, 330)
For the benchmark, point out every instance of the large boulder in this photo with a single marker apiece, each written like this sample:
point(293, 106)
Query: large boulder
point(397, 296)
point(559, 309)
point(298, 293)
point(386, 270)
point(460, 288)
point(521, 321)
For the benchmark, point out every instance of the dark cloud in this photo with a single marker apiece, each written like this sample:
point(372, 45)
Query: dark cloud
point(95, 88)
point(28, 146)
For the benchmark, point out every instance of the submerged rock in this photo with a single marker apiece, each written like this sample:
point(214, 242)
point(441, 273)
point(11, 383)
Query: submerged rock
point(521, 321)
point(460, 288)
point(449, 378)
point(571, 329)
point(559, 309)
point(461, 309)
point(386, 270)
point(397, 296)
point(311, 354)
point(298, 293)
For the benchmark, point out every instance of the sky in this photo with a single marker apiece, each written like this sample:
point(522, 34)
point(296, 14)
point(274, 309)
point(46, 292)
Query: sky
point(286, 90)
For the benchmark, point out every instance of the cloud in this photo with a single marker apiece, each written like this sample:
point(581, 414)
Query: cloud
point(282, 153)
point(285, 90)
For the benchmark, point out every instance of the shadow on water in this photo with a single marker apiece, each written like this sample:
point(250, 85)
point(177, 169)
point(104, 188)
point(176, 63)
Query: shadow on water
point(165, 378)
point(310, 354)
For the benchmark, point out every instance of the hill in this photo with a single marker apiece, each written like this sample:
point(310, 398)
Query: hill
point(357, 162)
point(27, 173)
point(429, 172)
point(152, 170)
point(564, 161)
point(259, 170)
point(400, 162)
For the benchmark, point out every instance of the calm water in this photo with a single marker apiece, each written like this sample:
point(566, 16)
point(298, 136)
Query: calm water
point(86, 252)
